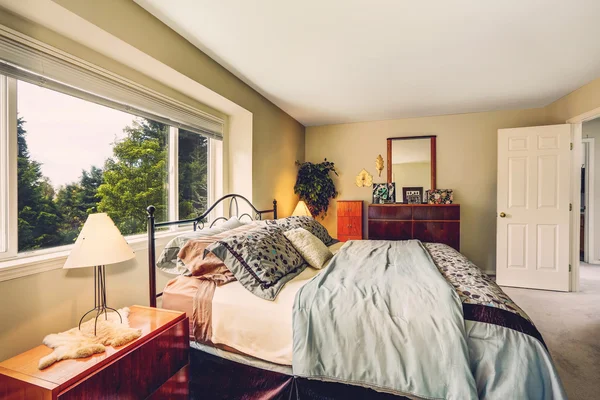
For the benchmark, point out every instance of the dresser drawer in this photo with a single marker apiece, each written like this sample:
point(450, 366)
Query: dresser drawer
point(390, 230)
point(438, 232)
point(349, 208)
point(437, 213)
point(349, 226)
point(390, 212)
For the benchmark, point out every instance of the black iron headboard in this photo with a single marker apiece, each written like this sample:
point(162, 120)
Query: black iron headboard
point(197, 223)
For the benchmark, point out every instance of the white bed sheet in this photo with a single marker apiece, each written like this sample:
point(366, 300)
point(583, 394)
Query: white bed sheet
point(258, 327)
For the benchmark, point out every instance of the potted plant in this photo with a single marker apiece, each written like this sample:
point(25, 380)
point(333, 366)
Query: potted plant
point(315, 186)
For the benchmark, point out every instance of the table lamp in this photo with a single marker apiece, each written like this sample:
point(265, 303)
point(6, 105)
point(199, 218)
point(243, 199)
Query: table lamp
point(99, 243)
point(301, 209)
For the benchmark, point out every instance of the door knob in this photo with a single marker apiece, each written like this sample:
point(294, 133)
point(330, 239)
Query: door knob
point(502, 215)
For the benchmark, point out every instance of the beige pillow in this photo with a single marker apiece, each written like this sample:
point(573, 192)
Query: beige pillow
point(309, 246)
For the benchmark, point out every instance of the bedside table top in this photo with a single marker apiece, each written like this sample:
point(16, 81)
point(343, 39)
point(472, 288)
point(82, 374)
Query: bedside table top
point(151, 321)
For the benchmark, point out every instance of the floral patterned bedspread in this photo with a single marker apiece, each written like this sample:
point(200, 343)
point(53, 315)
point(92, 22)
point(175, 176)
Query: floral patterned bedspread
point(472, 285)
point(504, 366)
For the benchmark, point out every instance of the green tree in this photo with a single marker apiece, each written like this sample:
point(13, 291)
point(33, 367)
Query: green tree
point(38, 217)
point(133, 178)
point(90, 182)
point(67, 200)
point(193, 173)
point(136, 176)
point(76, 201)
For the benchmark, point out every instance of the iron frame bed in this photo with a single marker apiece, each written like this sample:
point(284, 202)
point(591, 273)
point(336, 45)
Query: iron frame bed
point(197, 222)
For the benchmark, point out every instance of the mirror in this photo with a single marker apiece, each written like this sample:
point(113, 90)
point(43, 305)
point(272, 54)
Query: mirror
point(411, 166)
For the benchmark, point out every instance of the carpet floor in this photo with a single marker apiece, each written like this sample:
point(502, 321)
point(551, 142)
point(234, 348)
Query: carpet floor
point(570, 325)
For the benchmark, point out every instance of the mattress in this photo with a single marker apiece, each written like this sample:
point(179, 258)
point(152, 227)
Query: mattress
point(243, 321)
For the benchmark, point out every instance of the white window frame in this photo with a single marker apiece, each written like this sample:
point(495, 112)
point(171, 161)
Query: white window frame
point(14, 264)
point(215, 177)
point(173, 179)
point(8, 168)
point(213, 171)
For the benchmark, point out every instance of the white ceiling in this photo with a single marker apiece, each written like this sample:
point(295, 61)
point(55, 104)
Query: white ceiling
point(333, 61)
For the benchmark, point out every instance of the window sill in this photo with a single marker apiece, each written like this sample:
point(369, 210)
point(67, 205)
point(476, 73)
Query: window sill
point(48, 260)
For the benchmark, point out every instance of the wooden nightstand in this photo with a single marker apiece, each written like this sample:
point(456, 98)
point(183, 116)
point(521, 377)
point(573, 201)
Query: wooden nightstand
point(154, 365)
point(349, 220)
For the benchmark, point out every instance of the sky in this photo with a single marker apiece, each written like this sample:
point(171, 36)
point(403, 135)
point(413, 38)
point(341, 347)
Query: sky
point(66, 134)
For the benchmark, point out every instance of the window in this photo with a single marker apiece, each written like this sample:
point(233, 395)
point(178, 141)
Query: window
point(76, 157)
point(193, 174)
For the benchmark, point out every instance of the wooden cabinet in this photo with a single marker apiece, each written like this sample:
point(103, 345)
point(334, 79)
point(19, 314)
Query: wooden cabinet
point(154, 364)
point(439, 223)
point(349, 220)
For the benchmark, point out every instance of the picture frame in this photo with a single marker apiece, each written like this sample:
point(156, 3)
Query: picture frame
point(440, 196)
point(384, 193)
point(412, 194)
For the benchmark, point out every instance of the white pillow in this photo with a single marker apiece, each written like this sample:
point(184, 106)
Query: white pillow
point(309, 246)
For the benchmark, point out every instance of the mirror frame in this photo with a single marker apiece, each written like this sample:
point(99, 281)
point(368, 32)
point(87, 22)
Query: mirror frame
point(433, 156)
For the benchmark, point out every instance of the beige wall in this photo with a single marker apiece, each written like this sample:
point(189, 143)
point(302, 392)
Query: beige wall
point(466, 159)
point(591, 129)
point(52, 301)
point(582, 100)
point(466, 162)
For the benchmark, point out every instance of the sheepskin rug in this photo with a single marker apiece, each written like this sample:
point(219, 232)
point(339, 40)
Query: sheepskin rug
point(76, 343)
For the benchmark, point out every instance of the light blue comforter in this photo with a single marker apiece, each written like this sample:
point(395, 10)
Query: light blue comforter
point(382, 316)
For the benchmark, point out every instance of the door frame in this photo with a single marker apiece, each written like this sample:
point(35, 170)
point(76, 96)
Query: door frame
point(589, 250)
point(576, 138)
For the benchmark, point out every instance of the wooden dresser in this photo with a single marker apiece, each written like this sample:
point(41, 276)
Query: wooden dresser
point(349, 220)
point(438, 223)
point(152, 366)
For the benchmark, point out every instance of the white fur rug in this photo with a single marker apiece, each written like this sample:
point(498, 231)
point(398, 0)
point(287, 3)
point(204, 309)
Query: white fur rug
point(76, 343)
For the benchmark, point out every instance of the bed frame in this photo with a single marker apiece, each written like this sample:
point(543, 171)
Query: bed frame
point(198, 223)
point(225, 379)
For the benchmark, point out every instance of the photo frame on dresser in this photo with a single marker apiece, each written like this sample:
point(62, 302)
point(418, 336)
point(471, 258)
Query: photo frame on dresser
point(439, 196)
point(412, 195)
point(384, 193)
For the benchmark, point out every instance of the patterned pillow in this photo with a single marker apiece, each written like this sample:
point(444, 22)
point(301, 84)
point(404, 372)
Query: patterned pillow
point(192, 253)
point(168, 261)
point(308, 223)
point(262, 259)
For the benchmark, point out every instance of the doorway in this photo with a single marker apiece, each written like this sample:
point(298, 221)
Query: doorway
point(587, 203)
point(590, 203)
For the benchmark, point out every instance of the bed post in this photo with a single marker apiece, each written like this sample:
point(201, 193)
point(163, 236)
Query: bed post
point(274, 209)
point(151, 256)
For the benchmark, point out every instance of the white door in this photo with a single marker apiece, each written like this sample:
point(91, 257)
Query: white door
point(534, 176)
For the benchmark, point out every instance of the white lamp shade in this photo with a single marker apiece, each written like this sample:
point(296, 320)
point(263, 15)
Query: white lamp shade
point(302, 209)
point(99, 243)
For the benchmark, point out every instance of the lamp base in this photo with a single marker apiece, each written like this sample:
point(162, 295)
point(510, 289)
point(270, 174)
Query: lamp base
point(99, 298)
